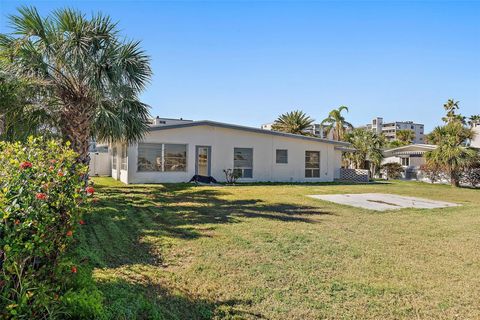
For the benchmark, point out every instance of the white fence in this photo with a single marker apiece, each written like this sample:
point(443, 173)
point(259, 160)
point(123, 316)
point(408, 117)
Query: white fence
point(100, 164)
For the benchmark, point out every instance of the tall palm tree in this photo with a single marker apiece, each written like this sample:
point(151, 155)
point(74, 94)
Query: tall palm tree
point(296, 122)
point(336, 122)
point(92, 76)
point(451, 153)
point(451, 107)
point(405, 136)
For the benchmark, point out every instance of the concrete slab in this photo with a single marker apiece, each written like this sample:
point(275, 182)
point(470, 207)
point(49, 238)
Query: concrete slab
point(383, 201)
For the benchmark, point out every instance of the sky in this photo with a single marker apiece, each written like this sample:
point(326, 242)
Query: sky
point(246, 62)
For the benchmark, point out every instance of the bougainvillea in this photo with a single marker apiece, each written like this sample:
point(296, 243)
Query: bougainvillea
point(40, 196)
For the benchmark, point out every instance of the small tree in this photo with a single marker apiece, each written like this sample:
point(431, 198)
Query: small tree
point(336, 122)
point(296, 122)
point(231, 176)
point(393, 170)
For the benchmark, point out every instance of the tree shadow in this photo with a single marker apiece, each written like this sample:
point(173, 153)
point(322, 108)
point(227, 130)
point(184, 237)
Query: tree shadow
point(118, 224)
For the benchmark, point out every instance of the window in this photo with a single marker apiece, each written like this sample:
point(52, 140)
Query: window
point(243, 162)
point(282, 156)
point(312, 164)
point(174, 157)
point(405, 162)
point(114, 158)
point(162, 157)
point(123, 158)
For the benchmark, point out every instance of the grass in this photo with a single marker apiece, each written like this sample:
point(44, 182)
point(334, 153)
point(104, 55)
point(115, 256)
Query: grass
point(270, 252)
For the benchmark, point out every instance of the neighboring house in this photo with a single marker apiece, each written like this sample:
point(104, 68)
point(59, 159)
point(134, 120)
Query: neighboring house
point(177, 152)
point(390, 129)
point(411, 157)
point(315, 129)
point(476, 140)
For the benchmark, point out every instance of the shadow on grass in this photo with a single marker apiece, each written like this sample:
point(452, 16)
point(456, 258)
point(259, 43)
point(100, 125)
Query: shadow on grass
point(116, 229)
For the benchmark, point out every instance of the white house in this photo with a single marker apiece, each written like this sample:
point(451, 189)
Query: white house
point(411, 157)
point(175, 152)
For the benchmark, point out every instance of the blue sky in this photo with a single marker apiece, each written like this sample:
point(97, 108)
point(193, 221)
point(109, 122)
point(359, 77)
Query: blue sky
point(246, 62)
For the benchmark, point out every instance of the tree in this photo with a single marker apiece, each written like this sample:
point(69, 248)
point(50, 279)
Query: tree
point(451, 106)
point(296, 122)
point(451, 154)
point(474, 119)
point(90, 75)
point(20, 114)
point(336, 122)
point(432, 171)
point(405, 136)
point(368, 149)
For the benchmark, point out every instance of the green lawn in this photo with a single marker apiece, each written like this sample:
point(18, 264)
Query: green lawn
point(270, 252)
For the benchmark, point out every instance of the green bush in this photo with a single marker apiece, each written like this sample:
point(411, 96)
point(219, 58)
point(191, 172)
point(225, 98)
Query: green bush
point(41, 192)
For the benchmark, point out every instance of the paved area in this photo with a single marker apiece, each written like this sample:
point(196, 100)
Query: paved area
point(382, 201)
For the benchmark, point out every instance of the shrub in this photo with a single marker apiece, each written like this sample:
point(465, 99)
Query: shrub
point(392, 170)
point(41, 189)
point(231, 176)
point(432, 171)
point(471, 175)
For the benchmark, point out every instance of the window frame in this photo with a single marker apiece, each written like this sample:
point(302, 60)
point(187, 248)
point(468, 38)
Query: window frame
point(162, 157)
point(402, 159)
point(277, 157)
point(243, 169)
point(312, 169)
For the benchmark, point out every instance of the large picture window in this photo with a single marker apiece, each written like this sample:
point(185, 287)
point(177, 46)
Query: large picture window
point(123, 158)
point(243, 162)
point(312, 164)
point(162, 157)
point(282, 156)
point(114, 158)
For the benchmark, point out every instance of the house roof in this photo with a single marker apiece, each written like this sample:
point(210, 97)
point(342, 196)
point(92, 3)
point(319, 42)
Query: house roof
point(410, 149)
point(248, 129)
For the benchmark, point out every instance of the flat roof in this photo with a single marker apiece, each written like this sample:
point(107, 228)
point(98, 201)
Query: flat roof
point(248, 129)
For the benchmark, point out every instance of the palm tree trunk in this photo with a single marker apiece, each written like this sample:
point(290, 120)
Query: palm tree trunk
point(75, 127)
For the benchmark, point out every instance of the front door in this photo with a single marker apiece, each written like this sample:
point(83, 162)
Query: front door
point(203, 160)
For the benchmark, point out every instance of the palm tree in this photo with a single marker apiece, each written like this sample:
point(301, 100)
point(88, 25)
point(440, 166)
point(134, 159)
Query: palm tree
point(451, 106)
point(368, 149)
point(336, 122)
point(296, 122)
point(451, 153)
point(474, 119)
point(92, 77)
point(405, 136)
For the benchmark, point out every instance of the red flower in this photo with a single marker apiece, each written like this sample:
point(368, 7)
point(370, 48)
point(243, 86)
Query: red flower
point(51, 168)
point(53, 161)
point(90, 190)
point(69, 233)
point(74, 269)
point(41, 196)
point(25, 165)
point(81, 222)
point(60, 173)
point(17, 221)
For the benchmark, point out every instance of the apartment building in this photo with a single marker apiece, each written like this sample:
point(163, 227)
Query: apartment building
point(390, 129)
point(315, 129)
point(476, 139)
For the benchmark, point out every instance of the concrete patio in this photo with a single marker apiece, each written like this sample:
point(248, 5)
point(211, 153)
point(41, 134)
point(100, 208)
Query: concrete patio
point(383, 202)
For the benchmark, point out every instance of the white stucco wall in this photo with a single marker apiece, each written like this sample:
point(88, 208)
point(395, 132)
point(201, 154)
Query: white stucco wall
point(476, 139)
point(222, 142)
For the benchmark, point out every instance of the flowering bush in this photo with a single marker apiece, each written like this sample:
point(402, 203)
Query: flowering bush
point(41, 189)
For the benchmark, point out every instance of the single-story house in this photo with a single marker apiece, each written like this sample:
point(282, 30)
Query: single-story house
point(411, 157)
point(176, 150)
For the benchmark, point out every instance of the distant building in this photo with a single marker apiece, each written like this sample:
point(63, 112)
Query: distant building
point(315, 129)
point(411, 157)
point(476, 140)
point(390, 129)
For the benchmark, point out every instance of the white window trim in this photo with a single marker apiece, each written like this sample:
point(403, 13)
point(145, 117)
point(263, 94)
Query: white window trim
point(244, 168)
